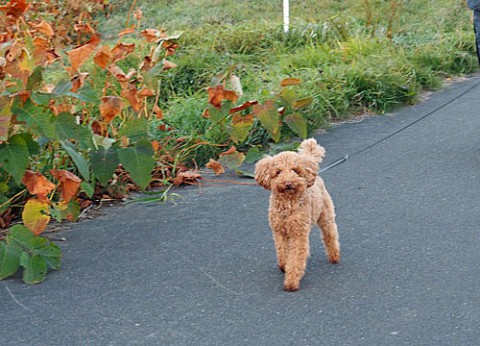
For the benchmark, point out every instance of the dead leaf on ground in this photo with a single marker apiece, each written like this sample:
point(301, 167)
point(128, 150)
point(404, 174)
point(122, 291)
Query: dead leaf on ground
point(215, 166)
point(186, 177)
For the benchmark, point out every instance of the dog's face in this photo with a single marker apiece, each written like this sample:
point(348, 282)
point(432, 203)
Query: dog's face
point(287, 173)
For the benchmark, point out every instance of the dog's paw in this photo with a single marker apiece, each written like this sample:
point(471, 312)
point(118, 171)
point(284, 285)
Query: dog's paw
point(291, 287)
point(334, 257)
point(281, 267)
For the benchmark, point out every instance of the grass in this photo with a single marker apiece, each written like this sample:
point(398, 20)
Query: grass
point(353, 56)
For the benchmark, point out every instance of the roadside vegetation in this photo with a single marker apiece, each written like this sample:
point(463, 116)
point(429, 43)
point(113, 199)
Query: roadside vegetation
point(101, 98)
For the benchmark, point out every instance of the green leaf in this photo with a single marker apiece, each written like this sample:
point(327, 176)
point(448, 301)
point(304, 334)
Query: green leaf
point(289, 95)
point(218, 115)
point(9, 260)
point(65, 211)
point(139, 162)
point(41, 98)
point(243, 173)
point(20, 236)
point(35, 268)
point(77, 158)
point(35, 79)
point(254, 154)
point(39, 120)
point(14, 157)
point(32, 145)
point(135, 129)
point(233, 160)
point(297, 123)
point(62, 88)
point(85, 94)
point(66, 128)
point(104, 163)
point(269, 117)
point(87, 188)
point(240, 127)
point(49, 251)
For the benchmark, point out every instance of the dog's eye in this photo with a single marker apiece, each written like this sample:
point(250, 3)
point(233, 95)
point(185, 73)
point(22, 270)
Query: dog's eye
point(278, 172)
point(296, 171)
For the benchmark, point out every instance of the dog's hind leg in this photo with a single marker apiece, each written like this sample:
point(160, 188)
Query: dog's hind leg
point(328, 226)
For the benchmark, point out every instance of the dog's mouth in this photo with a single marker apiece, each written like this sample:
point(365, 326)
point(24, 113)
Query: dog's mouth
point(288, 188)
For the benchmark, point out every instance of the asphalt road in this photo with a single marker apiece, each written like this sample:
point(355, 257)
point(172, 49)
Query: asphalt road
point(203, 271)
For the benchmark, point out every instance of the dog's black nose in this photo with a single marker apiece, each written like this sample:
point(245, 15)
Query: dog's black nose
point(288, 185)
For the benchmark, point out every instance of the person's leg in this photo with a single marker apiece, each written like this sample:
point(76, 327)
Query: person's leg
point(476, 28)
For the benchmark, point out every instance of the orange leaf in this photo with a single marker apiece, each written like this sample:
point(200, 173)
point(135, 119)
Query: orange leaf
point(242, 107)
point(145, 92)
point(122, 50)
point(229, 151)
point(126, 32)
point(290, 81)
point(81, 53)
point(111, 106)
point(186, 177)
point(37, 184)
point(138, 14)
point(45, 29)
point(151, 35)
point(217, 94)
point(69, 183)
point(168, 65)
point(155, 145)
point(215, 166)
point(158, 112)
point(15, 8)
point(131, 94)
point(78, 81)
point(103, 57)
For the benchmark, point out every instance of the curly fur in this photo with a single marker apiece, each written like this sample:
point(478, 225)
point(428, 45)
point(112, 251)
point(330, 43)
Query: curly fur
point(298, 200)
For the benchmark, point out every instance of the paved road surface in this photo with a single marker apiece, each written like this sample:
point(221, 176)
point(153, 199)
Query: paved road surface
point(203, 272)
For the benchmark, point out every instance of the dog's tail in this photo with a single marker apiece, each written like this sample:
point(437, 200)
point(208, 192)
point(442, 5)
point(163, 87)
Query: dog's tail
point(310, 148)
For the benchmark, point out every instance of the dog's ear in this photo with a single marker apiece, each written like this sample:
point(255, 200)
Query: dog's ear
point(262, 172)
point(309, 171)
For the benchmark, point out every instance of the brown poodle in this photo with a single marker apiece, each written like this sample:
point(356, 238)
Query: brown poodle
point(298, 200)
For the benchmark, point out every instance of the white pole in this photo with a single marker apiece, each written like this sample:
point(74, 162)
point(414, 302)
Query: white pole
point(286, 15)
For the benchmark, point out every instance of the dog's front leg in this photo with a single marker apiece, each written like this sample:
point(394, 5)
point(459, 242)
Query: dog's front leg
point(298, 250)
point(281, 247)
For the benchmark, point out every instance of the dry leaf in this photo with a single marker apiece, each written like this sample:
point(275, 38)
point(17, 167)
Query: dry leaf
point(122, 50)
point(69, 183)
point(168, 65)
point(37, 184)
point(217, 94)
point(80, 54)
point(215, 166)
point(103, 57)
point(126, 32)
point(186, 177)
point(45, 29)
point(110, 107)
point(151, 35)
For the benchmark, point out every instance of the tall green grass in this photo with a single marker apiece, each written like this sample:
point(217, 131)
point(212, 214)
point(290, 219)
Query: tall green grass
point(353, 56)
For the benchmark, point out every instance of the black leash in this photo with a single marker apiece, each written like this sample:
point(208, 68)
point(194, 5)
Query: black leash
point(347, 156)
